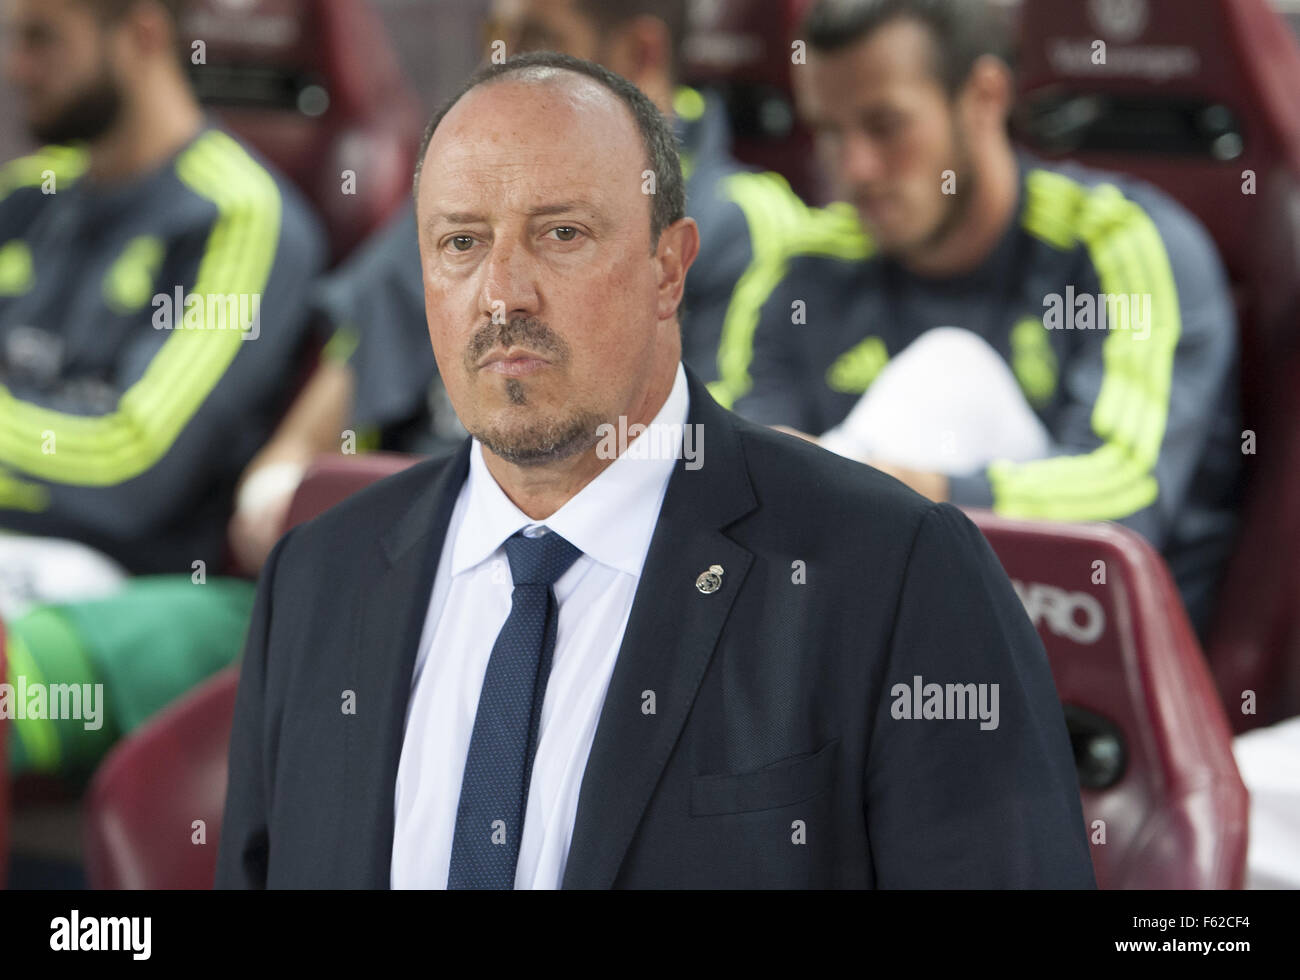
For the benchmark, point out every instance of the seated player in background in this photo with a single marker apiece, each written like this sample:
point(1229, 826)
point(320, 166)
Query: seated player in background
point(1039, 404)
point(152, 274)
point(379, 354)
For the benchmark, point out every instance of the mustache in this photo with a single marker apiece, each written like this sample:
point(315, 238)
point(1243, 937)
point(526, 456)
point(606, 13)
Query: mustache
point(522, 331)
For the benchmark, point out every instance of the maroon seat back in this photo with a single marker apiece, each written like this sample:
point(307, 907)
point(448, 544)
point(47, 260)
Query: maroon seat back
point(330, 479)
point(1254, 642)
point(1151, 741)
point(742, 49)
point(151, 789)
point(316, 87)
point(155, 783)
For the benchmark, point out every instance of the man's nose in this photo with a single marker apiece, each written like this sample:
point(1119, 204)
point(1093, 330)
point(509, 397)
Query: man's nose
point(860, 161)
point(509, 285)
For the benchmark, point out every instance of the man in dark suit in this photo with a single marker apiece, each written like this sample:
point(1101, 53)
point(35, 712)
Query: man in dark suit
point(622, 637)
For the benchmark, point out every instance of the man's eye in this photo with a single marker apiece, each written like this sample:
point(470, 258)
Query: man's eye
point(462, 243)
point(885, 127)
point(565, 234)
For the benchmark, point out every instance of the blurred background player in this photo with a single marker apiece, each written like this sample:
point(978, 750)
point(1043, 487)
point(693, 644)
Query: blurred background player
point(379, 355)
point(1033, 407)
point(127, 412)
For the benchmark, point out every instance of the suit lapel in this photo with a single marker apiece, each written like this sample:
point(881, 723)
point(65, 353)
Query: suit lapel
point(389, 624)
point(671, 633)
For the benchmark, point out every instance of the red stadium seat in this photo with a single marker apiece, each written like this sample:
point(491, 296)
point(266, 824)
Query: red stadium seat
point(4, 771)
point(157, 781)
point(1151, 742)
point(1201, 106)
point(146, 795)
point(331, 478)
point(742, 49)
point(316, 87)
point(1254, 644)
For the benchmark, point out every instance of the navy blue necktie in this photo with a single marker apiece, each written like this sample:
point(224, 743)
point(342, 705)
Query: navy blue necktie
point(499, 765)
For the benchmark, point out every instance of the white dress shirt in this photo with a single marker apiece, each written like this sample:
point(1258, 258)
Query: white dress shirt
point(611, 520)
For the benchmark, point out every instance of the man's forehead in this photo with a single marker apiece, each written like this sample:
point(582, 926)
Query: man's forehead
point(553, 133)
point(564, 96)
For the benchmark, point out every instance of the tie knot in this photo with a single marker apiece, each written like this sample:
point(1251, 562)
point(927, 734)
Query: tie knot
point(540, 560)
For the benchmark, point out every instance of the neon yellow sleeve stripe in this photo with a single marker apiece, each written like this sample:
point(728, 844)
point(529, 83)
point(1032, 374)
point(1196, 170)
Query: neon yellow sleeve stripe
point(39, 736)
point(736, 349)
point(688, 103)
point(780, 227)
point(67, 163)
point(342, 345)
point(1132, 408)
point(771, 211)
point(110, 449)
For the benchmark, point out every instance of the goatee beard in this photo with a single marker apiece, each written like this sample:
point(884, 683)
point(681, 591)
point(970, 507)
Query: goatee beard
point(542, 440)
point(546, 441)
point(89, 115)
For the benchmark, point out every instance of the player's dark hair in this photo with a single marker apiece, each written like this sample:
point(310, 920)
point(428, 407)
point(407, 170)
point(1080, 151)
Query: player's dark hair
point(668, 203)
point(610, 15)
point(961, 31)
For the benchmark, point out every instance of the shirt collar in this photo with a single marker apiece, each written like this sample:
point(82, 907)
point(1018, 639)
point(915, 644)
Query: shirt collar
point(611, 519)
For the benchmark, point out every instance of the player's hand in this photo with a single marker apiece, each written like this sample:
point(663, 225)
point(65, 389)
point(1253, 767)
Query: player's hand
point(261, 506)
point(253, 533)
point(795, 432)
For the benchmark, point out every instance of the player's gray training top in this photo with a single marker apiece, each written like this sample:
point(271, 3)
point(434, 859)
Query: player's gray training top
point(1144, 420)
point(148, 331)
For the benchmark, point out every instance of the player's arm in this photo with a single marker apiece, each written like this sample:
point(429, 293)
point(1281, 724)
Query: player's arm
point(1136, 405)
point(312, 426)
point(774, 219)
point(762, 359)
point(108, 458)
point(776, 377)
